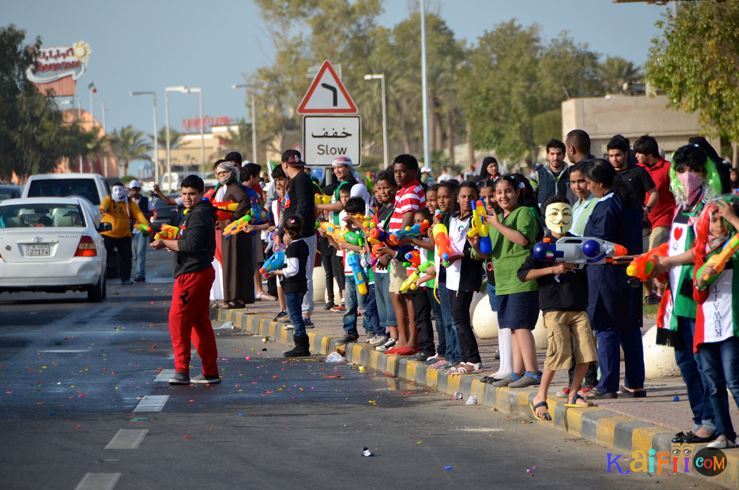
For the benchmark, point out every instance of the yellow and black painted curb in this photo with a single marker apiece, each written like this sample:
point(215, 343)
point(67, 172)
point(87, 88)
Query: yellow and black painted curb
point(620, 433)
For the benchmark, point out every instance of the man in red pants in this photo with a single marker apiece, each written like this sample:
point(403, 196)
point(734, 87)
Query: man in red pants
point(189, 316)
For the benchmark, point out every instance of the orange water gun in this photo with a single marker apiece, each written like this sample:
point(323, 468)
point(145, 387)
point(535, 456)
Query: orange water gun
point(230, 207)
point(443, 243)
point(642, 266)
point(717, 262)
point(168, 232)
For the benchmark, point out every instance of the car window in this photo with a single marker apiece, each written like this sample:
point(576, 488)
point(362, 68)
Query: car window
point(65, 188)
point(41, 215)
point(8, 194)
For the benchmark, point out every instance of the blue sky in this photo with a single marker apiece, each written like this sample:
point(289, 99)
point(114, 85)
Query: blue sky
point(150, 44)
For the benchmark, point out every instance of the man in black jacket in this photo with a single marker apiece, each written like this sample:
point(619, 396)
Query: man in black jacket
point(299, 201)
point(194, 249)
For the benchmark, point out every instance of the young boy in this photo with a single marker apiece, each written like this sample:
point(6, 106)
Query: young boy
point(194, 250)
point(385, 188)
point(563, 298)
point(280, 180)
point(295, 284)
point(420, 298)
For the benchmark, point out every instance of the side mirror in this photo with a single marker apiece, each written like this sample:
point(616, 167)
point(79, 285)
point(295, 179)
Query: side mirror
point(105, 227)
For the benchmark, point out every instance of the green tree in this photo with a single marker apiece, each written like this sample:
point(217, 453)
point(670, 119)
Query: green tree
point(240, 139)
point(615, 71)
point(565, 70)
point(129, 144)
point(696, 61)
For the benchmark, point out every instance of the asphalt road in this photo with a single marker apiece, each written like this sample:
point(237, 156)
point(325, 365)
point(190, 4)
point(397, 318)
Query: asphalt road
point(81, 407)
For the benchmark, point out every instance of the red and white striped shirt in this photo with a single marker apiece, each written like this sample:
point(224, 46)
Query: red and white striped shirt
point(408, 199)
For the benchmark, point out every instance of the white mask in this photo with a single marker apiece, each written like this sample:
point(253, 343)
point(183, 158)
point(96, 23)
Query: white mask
point(558, 217)
point(118, 193)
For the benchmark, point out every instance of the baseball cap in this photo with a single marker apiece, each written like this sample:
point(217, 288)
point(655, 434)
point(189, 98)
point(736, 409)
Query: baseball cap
point(292, 157)
point(134, 184)
point(341, 161)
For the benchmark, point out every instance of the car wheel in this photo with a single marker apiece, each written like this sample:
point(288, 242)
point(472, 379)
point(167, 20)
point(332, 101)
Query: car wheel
point(98, 292)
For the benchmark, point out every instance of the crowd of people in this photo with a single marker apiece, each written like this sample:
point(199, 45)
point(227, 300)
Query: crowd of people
point(407, 255)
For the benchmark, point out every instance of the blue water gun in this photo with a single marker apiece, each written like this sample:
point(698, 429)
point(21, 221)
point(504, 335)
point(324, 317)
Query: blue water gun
point(360, 277)
point(275, 262)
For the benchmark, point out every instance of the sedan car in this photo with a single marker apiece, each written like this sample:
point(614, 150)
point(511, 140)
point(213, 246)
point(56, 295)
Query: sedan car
point(51, 244)
point(162, 213)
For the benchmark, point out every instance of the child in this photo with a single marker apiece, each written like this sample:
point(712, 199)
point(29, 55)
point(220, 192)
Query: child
point(276, 207)
point(420, 297)
point(463, 279)
point(339, 263)
point(716, 337)
point(385, 194)
point(563, 297)
point(513, 232)
point(449, 356)
point(432, 205)
point(189, 315)
point(295, 284)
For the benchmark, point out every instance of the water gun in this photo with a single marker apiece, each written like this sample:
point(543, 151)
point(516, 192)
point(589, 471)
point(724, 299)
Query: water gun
point(412, 259)
point(642, 266)
point(479, 227)
point(411, 282)
point(321, 199)
point(360, 277)
point(340, 235)
point(415, 231)
point(580, 251)
point(275, 262)
point(443, 244)
point(168, 232)
point(229, 207)
point(718, 261)
point(258, 215)
point(145, 229)
point(237, 226)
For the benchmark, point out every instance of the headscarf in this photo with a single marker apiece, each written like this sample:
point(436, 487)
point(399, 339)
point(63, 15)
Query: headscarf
point(226, 166)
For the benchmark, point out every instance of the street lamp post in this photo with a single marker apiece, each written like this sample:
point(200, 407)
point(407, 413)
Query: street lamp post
point(253, 118)
point(381, 77)
point(156, 131)
point(426, 154)
point(105, 155)
point(199, 91)
point(182, 90)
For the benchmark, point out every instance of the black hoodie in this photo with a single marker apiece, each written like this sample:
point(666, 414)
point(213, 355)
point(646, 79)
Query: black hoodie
point(197, 239)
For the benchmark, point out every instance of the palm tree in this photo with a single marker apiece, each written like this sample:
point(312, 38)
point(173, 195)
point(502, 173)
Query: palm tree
point(240, 139)
point(615, 72)
point(129, 144)
point(175, 138)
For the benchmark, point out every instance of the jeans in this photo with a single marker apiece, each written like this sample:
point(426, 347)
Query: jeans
point(461, 301)
point(352, 301)
point(609, 358)
point(384, 305)
point(371, 315)
point(720, 365)
point(436, 308)
point(139, 243)
point(308, 298)
point(422, 315)
point(453, 352)
point(294, 302)
point(492, 297)
point(691, 369)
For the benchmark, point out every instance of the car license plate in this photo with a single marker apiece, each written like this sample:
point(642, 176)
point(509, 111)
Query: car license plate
point(38, 250)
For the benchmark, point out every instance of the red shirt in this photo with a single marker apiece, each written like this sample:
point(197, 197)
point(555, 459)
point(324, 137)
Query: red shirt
point(662, 212)
point(409, 198)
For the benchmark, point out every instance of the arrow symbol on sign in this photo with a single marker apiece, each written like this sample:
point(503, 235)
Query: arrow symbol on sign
point(334, 93)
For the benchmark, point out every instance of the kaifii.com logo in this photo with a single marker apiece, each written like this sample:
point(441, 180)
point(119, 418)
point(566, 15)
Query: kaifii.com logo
point(707, 462)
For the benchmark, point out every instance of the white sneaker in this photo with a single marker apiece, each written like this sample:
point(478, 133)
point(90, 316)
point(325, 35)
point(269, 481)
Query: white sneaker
point(368, 338)
point(378, 340)
point(289, 326)
point(721, 442)
point(390, 342)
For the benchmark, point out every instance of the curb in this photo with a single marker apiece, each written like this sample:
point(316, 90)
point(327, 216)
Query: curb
point(623, 434)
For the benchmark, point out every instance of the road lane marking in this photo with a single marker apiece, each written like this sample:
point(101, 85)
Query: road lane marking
point(127, 439)
point(98, 481)
point(479, 429)
point(164, 375)
point(64, 351)
point(152, 403)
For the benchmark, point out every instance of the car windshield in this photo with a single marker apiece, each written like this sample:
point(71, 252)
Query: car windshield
point(65, 188)
point(41, 215)
point(8, 194)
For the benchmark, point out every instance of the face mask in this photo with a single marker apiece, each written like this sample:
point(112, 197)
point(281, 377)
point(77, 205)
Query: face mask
point(558, 217)
point(692, 183)
point(118, 193)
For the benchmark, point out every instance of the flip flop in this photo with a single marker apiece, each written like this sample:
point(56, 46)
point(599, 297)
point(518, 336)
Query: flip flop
point(546, 416)
point(575, 405)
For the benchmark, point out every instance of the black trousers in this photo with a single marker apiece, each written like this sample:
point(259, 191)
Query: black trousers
point(333, 267)
point(123, 246)
point(461, 301)
point(422, 314)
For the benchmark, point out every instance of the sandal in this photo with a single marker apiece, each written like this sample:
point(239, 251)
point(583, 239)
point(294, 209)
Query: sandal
point(465, 368)
point(574, 404)
point(546, 415)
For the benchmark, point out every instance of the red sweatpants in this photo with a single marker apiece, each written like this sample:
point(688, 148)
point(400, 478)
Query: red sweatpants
point(189, 321)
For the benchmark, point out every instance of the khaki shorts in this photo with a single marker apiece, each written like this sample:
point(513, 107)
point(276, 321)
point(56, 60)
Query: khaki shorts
point(397, 276)
point(659, 235)
point(568, 331)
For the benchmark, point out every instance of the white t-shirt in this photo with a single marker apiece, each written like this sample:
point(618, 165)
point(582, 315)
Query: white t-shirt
point(457, 236)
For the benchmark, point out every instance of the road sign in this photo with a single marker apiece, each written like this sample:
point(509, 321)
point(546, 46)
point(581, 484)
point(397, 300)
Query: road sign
point(327, 95)
point(327, 137)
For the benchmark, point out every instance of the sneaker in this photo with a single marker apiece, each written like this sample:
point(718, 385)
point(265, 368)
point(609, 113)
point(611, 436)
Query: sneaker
point(202, 379)
point(432, 359)
point(289, 326)
point(721, 442)
point(564, 392)
point(368, 338)
point(387, 345)
point(421, 356)
point(308, 323)
point(378, 340)
point(339, 309)
point(279, 316)
point(180, 379)
point(348, 339)
point(328, 306)
point(284, 319)
point(507, 380)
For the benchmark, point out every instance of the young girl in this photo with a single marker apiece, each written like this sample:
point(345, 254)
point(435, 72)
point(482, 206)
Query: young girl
point(463, 278)
point(385, 194)
point(513, 233)
point(276, 208)
point(422, 302)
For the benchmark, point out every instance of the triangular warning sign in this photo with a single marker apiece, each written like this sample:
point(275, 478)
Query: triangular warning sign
point(327, 95)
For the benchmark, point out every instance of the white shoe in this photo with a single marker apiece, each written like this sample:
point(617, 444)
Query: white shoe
point(288, 327)
point(390, 342)
point(378, 340)
point(721, 442)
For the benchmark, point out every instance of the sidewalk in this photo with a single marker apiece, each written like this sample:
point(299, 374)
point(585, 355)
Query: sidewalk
point(622, 424)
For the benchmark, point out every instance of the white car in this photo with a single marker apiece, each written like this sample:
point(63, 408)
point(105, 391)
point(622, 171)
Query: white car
point(90, 186)
point(51, 244)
